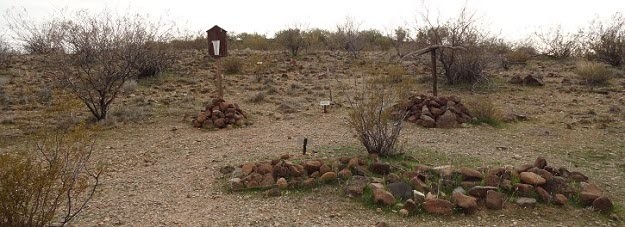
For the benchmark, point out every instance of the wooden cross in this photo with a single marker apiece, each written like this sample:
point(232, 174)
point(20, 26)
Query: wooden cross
point(432, 49)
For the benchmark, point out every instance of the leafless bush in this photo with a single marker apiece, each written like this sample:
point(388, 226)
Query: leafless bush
point(104, 50)
point(54, 179)
point(606, 41)
point(460, 66)
point(348, 37)
point(6, 52)
point(374, 117)
point(398, 39)
point(556, 43)
point(156, 58)
point(38, 38)
point(291, 38)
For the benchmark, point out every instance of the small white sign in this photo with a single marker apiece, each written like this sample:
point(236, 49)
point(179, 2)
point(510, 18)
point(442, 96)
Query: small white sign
point(324, 103)
point(216, 47)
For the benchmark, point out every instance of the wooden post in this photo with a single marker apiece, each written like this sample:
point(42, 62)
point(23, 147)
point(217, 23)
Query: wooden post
point(220, 89)
point(434, 75)
point(304, 148)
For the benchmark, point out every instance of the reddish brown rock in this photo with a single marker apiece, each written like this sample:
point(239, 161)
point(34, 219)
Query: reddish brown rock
point(469, 173)
point(268, 180)
point(392, 178)
point(312, 166)
point(467, 203)
point(247, 168)
point(264, 168)
point(328, 177)
point(447, 120)
point(220, 123)
point(481, 191)
point(352, 163)
point(380, 168)
point(324, 169)
point(532, 178)
point(560, 200)
point(418, 185)
point(410, 205)
point(589, 193)
point(494, 200)
point(524, 189)
point(382, 197)
point(540, 163)
point(356, 185)
point(543, 194)
point(438, 206)
point(577, 176)
point(345, 173)
point(603, 204)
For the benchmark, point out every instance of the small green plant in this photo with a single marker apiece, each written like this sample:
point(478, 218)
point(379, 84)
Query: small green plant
point(232, 65)
point(484, 111)
point(594, 74)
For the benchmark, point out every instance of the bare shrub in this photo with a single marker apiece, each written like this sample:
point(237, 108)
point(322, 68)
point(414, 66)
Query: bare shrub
point(156, 58)
point(375, 118)
point(460, 66)
point(521, 53)
point(348, 37)
point(398, 38)
point(291, 38)
point(6, 52)
point(56, 178)
point(593, 74)
point(104, 50)
point(556, 43)
point(38, 38)
point(606, 41)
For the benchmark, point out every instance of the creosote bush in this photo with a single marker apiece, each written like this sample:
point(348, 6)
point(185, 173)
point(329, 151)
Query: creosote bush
point(232, 65)
point(593, 74)
point(606, 41)
point(106, 52)
point(292, 39)
point(375, 119)
point(53, 179)
point(556, 43)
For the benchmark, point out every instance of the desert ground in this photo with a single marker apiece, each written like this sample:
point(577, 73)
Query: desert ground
point(161, 171)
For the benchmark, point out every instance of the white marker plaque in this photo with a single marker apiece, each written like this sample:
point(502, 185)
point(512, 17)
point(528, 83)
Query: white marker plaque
point(324, 103)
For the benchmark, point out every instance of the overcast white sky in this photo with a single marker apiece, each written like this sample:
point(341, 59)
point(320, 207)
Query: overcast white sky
point(513, 19)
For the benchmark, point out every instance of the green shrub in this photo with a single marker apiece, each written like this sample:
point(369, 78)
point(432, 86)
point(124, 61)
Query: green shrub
point(593, 74)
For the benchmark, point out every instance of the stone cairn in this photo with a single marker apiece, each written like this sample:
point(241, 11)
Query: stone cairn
point(441, 190)
point(220, 114)
point(436, 112)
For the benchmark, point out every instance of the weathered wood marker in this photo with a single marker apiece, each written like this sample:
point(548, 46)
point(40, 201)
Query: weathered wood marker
point(218, 48)
point(432, 49)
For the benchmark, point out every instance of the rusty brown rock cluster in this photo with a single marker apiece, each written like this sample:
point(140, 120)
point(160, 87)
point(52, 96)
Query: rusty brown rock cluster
point(220, 114)
point(439, 190)
point(436, 112)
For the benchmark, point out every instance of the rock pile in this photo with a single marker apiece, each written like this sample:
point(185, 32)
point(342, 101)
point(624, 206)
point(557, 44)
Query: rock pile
point(439, 190)
point(439, 112)
point(220, 114)
point(529, 80)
